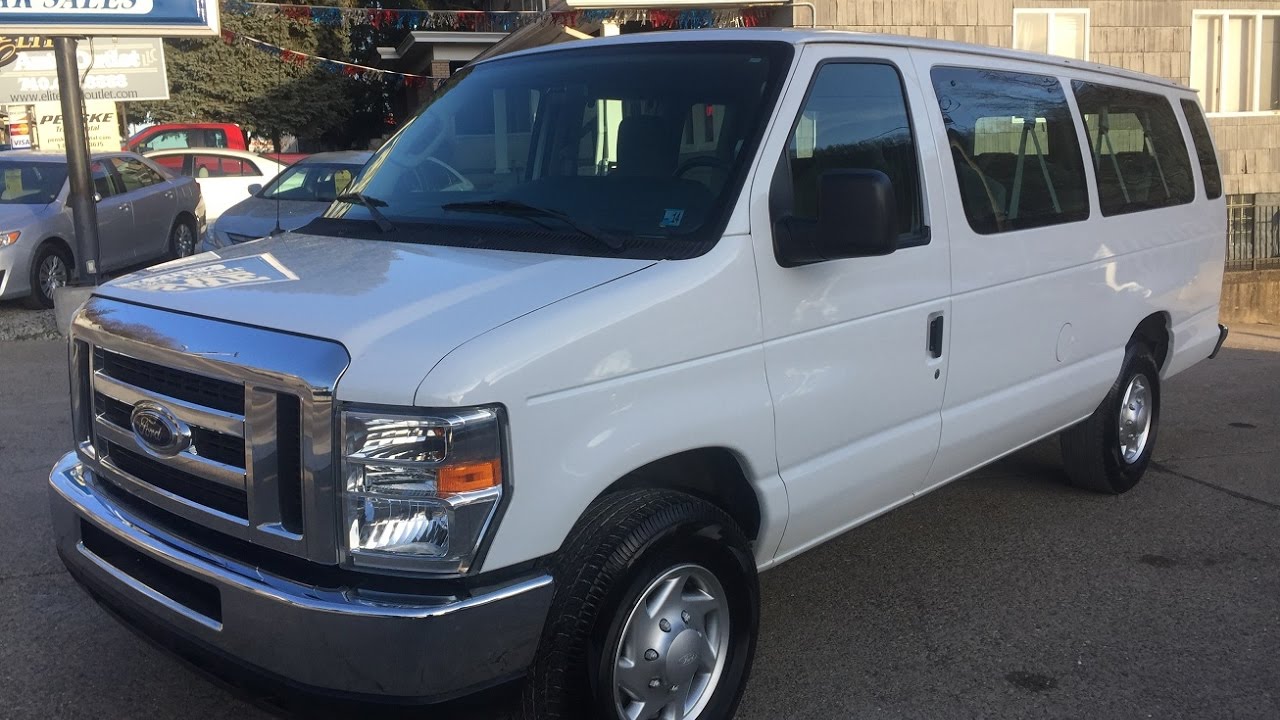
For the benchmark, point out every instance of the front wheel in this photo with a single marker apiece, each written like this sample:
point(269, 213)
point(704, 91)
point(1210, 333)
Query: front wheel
point(50, 270)
point(1109, 452)
point(655, 614)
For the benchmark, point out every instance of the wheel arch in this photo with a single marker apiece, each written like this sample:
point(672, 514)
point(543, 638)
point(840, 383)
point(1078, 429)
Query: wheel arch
point(190, 218)
point(1154, 331)
point(715, 474)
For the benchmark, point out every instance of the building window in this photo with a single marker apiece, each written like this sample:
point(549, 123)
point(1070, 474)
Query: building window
point(1234, 60)
point(1055, 32)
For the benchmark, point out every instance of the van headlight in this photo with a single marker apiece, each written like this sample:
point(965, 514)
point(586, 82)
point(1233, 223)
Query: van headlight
point(420, 489)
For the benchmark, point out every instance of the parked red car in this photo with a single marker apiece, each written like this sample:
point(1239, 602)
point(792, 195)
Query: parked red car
point(171, 136)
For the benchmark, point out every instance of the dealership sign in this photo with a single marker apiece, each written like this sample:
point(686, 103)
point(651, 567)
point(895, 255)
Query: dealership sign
point(144, 18)
point(119, 69)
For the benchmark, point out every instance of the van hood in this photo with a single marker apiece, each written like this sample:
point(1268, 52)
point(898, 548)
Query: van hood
point(398, 308)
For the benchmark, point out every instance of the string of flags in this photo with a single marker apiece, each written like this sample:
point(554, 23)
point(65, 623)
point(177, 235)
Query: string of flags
point(337, 67)
point(504, 21)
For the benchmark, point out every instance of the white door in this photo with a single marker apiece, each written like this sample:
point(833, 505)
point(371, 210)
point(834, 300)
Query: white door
point(857, 384)
point(1038, 321)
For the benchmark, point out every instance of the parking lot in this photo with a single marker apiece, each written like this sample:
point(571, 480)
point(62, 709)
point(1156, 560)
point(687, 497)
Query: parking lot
point(1006, 594)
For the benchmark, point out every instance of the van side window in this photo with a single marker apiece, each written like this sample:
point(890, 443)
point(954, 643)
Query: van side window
point(1204, 149)
point(1014, 144)
point(855, 118)
point(1138, 151)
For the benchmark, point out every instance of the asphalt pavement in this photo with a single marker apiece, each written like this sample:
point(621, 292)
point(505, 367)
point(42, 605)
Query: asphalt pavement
point(1006, 594)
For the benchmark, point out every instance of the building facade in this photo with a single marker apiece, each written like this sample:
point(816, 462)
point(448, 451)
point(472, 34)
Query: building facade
point(1230, 51)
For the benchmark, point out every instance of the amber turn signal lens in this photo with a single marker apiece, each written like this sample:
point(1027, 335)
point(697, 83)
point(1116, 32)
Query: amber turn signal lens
point(465, 478)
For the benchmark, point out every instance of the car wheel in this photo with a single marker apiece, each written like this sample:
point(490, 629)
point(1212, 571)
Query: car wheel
point(182, 239)
point(654, 616)
point(50, 270)
point(1110, 451)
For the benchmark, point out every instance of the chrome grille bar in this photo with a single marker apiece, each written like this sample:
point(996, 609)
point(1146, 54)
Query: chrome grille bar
point(190, 413)
point(184, 461)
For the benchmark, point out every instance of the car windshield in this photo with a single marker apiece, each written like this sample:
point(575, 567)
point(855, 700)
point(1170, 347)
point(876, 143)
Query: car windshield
point(317, 182)
point(31, 183)
point(629, 150)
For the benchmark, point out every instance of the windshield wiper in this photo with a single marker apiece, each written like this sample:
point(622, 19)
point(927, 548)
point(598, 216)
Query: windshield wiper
point(516, 208)
point(371, 204)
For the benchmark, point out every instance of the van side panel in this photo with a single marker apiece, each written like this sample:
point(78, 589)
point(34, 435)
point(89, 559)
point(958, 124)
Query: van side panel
point(1041, 316)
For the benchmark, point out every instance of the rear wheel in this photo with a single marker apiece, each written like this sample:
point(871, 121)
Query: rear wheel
point(655, 614)
point(1110, 451)
point(182, 239)
point(50, 270)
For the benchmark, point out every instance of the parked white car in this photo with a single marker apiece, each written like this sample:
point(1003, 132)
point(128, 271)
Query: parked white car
point(225, 176)
point(704, 301)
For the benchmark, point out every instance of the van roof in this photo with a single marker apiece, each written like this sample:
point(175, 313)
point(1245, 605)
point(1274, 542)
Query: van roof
point(801, 36)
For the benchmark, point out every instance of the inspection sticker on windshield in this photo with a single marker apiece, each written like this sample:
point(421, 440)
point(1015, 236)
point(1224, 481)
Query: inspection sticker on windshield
point(672, 218)
point(248, 270)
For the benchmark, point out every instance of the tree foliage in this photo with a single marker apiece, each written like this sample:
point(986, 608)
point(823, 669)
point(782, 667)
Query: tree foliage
point(212, 81)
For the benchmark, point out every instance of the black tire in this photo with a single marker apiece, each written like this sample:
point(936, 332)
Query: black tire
point(41, 297)
point(176, 239)
point(1092, 450)
point(621, 544)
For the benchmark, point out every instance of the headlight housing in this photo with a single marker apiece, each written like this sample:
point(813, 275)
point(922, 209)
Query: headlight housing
point(420, 489)
point(9, 237)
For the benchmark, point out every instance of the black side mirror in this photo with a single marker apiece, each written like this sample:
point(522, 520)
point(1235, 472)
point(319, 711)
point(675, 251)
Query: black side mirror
point(857, 217)
point(255, 188)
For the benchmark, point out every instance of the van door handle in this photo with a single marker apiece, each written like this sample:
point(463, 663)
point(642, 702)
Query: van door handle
point(935, 337)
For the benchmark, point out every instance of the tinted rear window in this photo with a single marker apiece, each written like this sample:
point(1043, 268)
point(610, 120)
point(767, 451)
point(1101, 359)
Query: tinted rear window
point(1015, 149)
point(1138, 151)
point(1204, 149)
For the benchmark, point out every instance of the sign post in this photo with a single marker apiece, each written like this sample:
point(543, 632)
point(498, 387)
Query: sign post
point(84, 210)
point(115, 18)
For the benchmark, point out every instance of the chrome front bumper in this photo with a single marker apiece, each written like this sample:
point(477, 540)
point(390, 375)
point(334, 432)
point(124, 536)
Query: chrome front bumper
point(339, 640)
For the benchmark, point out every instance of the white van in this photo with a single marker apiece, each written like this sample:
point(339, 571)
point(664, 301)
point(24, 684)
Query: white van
point(705, 301)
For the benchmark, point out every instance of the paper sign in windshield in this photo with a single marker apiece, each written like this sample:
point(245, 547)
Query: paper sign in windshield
point(234, 272)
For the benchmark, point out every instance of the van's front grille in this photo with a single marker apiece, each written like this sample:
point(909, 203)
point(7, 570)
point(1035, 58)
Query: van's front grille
point(244, 420)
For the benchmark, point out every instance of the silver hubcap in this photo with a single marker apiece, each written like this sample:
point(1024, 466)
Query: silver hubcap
point(183, 240)
point(53, 274)
point(1135, 419)
point(673, 648)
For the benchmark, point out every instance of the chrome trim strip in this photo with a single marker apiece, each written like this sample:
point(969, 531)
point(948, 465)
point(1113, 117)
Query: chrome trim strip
point(197, 415)
point(141, 587)
point(176, 504)
point(186, 461)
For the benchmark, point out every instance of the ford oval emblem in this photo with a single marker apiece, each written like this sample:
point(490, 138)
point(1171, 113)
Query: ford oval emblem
point(158, 430)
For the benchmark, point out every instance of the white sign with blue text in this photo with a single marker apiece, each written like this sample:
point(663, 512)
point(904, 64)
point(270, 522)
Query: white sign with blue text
point(138, 18)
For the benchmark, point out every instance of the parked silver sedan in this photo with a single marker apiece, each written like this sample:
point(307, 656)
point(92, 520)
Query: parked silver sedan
point(144, 214)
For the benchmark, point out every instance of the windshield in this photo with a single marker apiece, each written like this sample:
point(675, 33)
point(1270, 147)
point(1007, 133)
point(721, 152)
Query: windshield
point(648, 143)
point(31, 183)
point(317, 182)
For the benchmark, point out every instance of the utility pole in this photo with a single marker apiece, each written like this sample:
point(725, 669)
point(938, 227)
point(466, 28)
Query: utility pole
point(84, 209)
